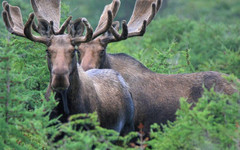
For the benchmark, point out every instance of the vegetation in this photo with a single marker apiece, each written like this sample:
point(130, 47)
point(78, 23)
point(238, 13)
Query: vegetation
point(186, 37)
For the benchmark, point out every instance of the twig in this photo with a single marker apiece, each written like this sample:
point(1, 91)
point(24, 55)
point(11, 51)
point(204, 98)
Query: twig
point(8, 83)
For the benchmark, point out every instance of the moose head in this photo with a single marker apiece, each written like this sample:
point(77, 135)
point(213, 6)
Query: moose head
point(60, 46)
point(93, 53)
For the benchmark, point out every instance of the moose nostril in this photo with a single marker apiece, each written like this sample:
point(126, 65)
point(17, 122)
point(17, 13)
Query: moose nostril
point(60, 82)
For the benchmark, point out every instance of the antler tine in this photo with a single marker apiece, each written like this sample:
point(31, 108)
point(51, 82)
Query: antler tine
point(64, 26)
point(28, 32)
point(107, 17)
point(159, 4)
point(87, 37)
point(34, 27)
point(116, 36)
point(12, 18)
point(143, 13)
point(4, 3)
point(48, 10)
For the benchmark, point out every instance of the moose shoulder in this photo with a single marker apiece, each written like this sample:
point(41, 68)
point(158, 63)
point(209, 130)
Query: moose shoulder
point(156, 96)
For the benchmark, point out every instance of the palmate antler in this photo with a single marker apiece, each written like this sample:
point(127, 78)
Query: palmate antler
point(49, 10)
point(143, 13)
point(12, 18)
point(106, 18)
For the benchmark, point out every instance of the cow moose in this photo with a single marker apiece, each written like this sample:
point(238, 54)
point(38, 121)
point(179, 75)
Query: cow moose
point(156, 96)
point(100, 90)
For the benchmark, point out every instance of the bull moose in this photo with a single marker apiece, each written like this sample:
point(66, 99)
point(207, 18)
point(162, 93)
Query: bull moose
point(156, 96)
point(103, 91)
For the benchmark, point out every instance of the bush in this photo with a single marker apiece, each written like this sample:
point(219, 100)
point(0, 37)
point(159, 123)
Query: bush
point(218, 11)
point(23, 106)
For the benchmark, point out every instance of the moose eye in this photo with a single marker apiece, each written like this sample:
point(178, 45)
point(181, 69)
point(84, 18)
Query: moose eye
point(102, 52)
point(73, 53)
point(48, 53)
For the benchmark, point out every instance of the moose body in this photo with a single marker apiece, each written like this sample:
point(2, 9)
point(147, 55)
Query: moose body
point(156, 96)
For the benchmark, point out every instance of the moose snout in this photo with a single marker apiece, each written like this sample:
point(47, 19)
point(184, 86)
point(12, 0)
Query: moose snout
point(87, 67)
point(60, 72)
point(60, 79)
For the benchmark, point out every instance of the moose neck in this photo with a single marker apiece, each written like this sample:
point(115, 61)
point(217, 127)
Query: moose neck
point(105, 63)
point(78, 97)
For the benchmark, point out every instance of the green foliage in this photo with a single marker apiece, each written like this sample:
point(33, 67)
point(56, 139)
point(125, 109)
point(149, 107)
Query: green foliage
point(207, 40)
point(212, 124)
point(213, 11)
point(97, 137)
point(228, 62)
point(23, 106)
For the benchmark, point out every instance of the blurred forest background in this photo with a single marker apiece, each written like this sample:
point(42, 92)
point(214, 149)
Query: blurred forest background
point(186, 36)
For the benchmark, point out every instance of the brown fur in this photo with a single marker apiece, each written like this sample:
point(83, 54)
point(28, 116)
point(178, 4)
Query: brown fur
point(156, 96)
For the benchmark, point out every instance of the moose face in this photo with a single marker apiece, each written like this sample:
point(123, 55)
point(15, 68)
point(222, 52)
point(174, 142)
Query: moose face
point(61, 60)
point(92, 54)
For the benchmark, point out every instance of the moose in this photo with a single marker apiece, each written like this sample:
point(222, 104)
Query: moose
point(156, 96)
point(100, 90)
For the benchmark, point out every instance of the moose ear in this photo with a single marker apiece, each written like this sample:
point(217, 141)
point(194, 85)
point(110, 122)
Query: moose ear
point(76, 28)
point(44, 28)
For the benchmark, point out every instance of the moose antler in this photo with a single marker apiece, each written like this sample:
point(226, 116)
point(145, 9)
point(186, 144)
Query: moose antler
point(89, 33)
point(28, 32)
point(106, 18)
point(143, 13)
point(12, 18)
point(50, 10)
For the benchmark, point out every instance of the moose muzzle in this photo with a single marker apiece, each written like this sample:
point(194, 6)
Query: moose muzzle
point(60, 79)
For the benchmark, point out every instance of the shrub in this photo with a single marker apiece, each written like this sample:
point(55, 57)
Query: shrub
point(23, 106)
